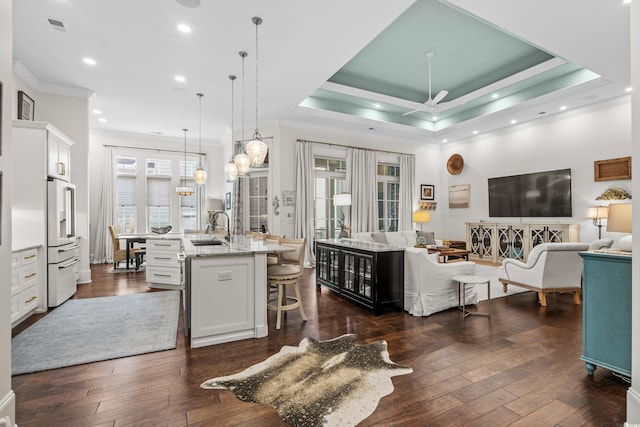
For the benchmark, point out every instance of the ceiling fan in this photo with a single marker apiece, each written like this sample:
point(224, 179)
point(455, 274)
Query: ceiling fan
point(431, 104)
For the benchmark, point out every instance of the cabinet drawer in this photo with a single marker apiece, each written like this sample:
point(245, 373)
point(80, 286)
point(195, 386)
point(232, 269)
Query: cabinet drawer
point(29, 256)
point(163, 245)
point(165, 275)
point(28, 300)
point(27, 275)
point(162, 259)
point(15, 286)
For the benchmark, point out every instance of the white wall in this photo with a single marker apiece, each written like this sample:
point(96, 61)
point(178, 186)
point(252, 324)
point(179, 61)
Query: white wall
point(567, 141)
point(7, 398)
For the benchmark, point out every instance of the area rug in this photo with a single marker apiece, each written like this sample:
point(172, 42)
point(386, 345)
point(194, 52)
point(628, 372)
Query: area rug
point(496, 287)
point(94, 329)
point(335, 382)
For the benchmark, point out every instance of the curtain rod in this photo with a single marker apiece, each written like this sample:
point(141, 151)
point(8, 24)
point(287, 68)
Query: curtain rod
point(155, 149)
point(353, 146)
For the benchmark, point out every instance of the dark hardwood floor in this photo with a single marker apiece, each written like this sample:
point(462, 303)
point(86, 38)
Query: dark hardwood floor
point(521, 367)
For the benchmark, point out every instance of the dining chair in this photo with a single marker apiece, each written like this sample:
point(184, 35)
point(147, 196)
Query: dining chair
point(120, 254)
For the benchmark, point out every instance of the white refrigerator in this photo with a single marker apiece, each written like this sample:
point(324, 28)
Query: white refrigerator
point(62, 245)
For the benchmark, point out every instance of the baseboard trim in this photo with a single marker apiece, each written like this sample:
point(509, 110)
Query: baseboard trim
point(8, 407)
point(633, 408)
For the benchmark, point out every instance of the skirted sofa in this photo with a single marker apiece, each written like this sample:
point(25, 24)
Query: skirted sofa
point(428, 287)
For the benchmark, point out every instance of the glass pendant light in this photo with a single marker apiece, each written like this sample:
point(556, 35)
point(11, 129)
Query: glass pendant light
point(200, 175)
point(256, 148)
point(230, 169)
point(242, 161)
point(184, 189)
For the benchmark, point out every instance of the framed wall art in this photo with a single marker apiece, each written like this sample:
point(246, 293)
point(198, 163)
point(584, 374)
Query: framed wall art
point(227, 201)
point(427, 192)
point(26, 106)
point(288, 197)
point(459, 196)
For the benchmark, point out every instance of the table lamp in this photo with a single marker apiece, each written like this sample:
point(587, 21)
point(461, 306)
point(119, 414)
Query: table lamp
point(421, 217)
point(343, 199)
point(619, 220)
point(598, 213)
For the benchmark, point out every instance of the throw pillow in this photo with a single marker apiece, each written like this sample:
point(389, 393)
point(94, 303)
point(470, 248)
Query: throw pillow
point(429, 236)
point(379, 238)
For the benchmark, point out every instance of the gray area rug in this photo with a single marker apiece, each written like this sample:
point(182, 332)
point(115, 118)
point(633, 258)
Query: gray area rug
point(93, 329)
point(496, 287)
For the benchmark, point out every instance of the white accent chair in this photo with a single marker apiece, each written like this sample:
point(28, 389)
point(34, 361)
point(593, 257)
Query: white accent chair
point(428, 287)
point(550, 267)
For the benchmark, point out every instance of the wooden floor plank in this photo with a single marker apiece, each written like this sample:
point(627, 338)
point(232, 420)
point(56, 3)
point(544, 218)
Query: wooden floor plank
point(520, 367)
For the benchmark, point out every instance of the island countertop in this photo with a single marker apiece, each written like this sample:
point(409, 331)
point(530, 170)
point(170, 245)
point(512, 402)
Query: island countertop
point(239, 245)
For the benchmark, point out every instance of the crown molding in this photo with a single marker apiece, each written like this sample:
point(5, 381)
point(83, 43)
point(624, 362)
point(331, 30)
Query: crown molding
point(25, 74)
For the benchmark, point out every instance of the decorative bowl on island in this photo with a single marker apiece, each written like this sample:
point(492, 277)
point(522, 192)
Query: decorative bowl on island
point(161, 230)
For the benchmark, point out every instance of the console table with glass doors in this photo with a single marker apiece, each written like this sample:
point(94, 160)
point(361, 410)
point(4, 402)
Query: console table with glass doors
point(494, 242)
point(366, 273)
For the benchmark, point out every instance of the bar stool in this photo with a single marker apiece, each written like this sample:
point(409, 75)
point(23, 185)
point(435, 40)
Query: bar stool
point(272, 258)
point(280, 276)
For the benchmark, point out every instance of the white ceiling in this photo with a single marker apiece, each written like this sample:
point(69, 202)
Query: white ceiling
point(301, 46)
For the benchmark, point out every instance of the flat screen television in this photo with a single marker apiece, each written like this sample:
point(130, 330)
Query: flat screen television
point(540, 194)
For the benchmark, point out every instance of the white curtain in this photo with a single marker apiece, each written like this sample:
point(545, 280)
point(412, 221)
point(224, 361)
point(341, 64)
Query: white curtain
point(407, 186)
point(362, 184)
point(103, 247)
point(304, 227)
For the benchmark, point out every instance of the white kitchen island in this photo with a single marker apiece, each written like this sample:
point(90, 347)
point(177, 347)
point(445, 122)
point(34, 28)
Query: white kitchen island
point(226, 289)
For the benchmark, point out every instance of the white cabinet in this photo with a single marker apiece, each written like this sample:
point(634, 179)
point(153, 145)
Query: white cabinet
point(226, 298)
point(494, 242)
point(59, 155)
point(164, 269)
point(24, 283)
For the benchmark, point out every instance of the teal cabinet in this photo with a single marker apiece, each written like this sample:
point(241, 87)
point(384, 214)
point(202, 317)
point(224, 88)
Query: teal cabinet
point(606, 313)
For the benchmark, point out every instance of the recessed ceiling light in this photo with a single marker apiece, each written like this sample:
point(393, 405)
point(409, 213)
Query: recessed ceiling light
point(184, 28)
point(89, 61)
point(180, 79)
point(96, 112)
point(102, 119)
point(475, 132)
point(627, 1)
point(376, 105)
point(564, 107)
point(629, 89)
point(434, 118)
point(514, 121)
point(444, 140)
point(494, 96)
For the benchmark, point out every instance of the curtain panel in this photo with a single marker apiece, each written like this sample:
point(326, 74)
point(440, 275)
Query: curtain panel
point(407, 188)
point(304, 224)
point(103, 247)
point(362, 170)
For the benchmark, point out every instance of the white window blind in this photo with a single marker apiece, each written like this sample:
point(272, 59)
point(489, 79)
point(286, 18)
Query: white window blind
point(158, 192)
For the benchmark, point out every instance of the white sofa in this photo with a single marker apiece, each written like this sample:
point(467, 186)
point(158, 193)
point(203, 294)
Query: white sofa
point(428, 287)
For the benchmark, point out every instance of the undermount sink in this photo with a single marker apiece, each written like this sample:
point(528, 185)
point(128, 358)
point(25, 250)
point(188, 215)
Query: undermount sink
point(212, 242)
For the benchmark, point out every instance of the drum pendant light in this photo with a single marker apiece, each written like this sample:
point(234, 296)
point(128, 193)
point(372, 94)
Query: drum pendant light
point(200, 175)
point(184, 189)
point(256, 148)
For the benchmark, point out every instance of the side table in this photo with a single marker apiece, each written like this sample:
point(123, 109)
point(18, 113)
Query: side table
point(463, 280)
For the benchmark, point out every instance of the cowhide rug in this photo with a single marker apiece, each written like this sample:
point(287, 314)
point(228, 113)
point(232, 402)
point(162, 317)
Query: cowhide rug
point(335, 382)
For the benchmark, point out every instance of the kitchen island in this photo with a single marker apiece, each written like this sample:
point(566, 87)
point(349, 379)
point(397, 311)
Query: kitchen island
point(225, 288)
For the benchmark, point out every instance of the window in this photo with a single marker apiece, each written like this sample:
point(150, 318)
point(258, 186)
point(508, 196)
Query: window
point(388, 196)
point(258, 199)
point(126, 194)
point(330, 179)
point(158, 193)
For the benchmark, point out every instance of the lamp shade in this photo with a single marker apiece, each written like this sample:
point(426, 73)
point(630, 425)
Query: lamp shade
point(597, 212)
point(257, 151)
point(619, 219)
point(215, 205)
point(421, 216)
point(342, 199)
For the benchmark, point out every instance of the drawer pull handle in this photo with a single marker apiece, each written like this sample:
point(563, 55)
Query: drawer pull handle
point(161, 275)
point(30, 256)
point(159, 257)
point(30, 275)
point(31, 299)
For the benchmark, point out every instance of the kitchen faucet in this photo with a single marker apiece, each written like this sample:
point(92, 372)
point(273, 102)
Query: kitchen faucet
point(214, 221)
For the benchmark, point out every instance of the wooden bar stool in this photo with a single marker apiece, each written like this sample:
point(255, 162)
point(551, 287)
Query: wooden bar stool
point(280, 276)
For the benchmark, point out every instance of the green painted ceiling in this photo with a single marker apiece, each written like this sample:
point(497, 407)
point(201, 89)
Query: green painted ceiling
point(472, 61)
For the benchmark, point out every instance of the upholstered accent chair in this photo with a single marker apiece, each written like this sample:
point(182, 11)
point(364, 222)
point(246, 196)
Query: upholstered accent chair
point(428, 287)
point(550, 267)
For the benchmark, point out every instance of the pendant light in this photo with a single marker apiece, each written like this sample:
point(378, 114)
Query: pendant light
point(256, 148)
point(200, 175)
point(230, 169)
point(184, 189)
point(242, 161)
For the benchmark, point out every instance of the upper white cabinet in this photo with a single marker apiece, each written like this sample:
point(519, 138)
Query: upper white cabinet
point(54, 143)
